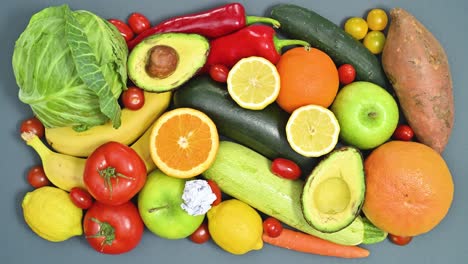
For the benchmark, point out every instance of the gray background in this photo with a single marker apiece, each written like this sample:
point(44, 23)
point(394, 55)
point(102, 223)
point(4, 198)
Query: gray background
point(445, 244)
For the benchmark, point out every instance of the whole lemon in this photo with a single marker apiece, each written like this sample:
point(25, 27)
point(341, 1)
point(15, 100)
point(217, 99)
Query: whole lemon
point(235, 226)
point(51, 214)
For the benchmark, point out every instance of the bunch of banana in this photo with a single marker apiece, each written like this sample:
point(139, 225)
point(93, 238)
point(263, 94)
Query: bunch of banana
point(65, 140)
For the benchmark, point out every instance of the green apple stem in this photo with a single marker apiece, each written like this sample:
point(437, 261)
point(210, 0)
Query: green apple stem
point(372, 115)
point(154, 209)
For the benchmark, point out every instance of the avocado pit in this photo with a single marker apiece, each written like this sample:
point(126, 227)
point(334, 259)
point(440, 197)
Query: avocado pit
point(162, 61)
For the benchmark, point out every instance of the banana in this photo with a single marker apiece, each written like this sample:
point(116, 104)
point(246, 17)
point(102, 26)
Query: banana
point(65, 140)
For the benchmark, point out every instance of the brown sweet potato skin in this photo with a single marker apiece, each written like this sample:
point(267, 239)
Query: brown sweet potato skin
point(418, 69)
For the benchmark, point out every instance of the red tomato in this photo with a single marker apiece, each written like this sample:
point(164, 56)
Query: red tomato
point(123, 28)
point(33, 125)
point(37, 177)
point(201, 235)
point(113, 229)
point(138, 22)
point(81, 198)
point(217, 191)
point(114, 173)
point(219, 73)
point(403, 132)
point(346, 74)
point(133, 98)
point(285, 168)
point(400, 240)
point(272, 227)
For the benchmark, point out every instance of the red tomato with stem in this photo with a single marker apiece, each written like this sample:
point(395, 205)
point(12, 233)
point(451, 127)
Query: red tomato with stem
point(201, 234)
point(81, 198)
point(403, 132)
point(138, 22)
point(33, 125)
point(113, 229)
point(400, 240)
point(272, 227)
point(285, 168)
point(37, 177)
point(114, 173)
point(216, 190)
point(123, 28)
point(219, 73)
point(133, 98)
point(346, 74)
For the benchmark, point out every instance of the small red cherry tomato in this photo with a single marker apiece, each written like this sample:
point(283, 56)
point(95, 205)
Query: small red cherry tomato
point(403, 132)
point(272, 227)
point(33, 125)
point(138, 22)
point(133, 98)
point(216, 190)
point(123, 28)
point(81, 198)
point(285, 168)
point(37, 177)
point(201, 234)
point(346, 74)
point(400, 240)
point(219, 73)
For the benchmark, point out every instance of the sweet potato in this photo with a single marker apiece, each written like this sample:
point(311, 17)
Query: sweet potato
point(418, 69)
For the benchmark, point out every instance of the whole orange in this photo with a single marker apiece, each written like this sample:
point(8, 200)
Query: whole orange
point(308, 76)
point(409, 188)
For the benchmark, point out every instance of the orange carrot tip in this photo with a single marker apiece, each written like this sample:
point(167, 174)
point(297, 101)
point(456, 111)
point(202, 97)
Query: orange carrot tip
point(302, 242)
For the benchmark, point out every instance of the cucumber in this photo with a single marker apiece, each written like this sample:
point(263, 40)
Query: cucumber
point(301, 23)
point(262, 130)
point(245, 175)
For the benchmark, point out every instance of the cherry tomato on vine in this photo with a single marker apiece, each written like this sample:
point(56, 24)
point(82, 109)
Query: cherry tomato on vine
point(123, 28)
point(81, 198)
point(138, 22)
point(272, 227)
point(403, 132)
point(374, 41)
point(114, 173)
point(356, 27)
point(219, 73)
point(400, 240)
point(377, 19)
point(113, 229)
point(33, 125)
point(285, 168)
point(216, 190)
point(37, 177)
point(201, 234)
point(133, 98)
point(346, 73)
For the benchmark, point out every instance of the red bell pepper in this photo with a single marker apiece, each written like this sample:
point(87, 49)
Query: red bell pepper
point(253, 40)
point(212, 23)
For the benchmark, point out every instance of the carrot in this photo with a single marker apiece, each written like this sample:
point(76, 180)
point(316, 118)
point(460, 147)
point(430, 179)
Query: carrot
point(306, 243)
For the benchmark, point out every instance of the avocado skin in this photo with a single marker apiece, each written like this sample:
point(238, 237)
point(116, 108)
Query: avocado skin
point(343, 157)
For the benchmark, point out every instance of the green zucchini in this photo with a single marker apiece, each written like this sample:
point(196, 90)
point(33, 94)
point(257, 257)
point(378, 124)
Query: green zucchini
point(301, 23)
point(245, 175)
point(262, 130)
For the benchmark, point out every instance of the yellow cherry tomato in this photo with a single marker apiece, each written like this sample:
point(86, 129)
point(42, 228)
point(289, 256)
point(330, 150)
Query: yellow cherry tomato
point(356, 27)
point(377, 19)
point(374, 41)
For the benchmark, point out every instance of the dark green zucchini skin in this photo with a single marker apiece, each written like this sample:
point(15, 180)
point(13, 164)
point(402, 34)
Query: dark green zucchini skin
point(302, 23)
point(261, 130)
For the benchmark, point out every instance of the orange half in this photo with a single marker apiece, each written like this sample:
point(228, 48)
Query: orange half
point(184, 142)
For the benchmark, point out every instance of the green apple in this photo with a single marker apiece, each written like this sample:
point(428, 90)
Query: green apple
point(367, 114)
point(159, 204)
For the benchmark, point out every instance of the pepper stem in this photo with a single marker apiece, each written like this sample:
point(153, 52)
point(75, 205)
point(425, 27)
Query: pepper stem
point(249, 20)
point(281, 43)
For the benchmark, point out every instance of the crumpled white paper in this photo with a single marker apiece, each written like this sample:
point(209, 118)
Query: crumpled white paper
point(197, 197)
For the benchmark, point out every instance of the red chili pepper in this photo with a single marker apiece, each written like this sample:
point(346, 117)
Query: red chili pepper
point(253, 40)
point(212, 23)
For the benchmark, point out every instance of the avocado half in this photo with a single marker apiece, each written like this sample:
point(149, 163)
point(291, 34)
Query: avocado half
point(165, 61)
point(334, 192)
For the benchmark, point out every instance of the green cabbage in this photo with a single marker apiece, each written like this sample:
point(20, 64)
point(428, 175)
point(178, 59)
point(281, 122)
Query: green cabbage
point(71, 67)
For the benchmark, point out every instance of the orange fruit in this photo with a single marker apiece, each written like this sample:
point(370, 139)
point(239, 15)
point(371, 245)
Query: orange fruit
point(409, 188)
point(308, 76)
point(183, 142)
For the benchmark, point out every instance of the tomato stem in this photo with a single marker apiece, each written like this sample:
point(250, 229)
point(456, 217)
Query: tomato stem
point(105, 230)
point(109, 173)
